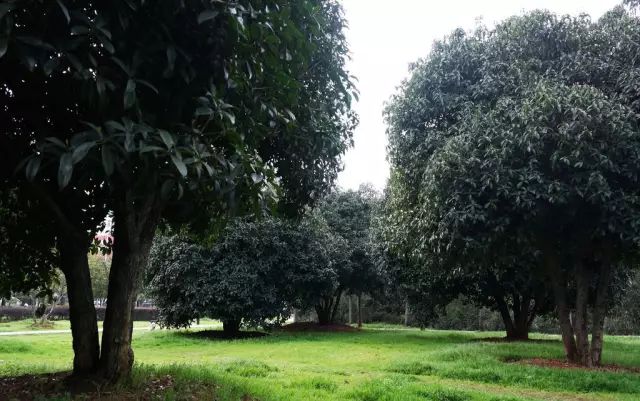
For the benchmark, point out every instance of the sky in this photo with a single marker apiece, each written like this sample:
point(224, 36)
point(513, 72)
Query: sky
point(385, 36)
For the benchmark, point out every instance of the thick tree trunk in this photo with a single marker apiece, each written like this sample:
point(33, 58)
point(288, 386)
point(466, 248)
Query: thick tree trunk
point(523, 316)
point(82, 312)
point(558, 284)
point(599, 310)
point(134, 229)
point(580, 327)
point(503, 308)
point(231, 327)
point(324, 314)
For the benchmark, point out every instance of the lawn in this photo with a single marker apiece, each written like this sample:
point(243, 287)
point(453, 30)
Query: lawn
point(27, 325)
point(376, 364)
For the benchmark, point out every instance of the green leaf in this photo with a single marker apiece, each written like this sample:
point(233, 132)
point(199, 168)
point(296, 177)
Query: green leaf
point(32, 167)
point(50, 65)
point(81, 151)
point(256, 177)
point(182, 168)
point(64, 11)
point(80, 30)
point(56, 141)
point(130, 94)
point(3, 46)
point(65, 170)
point(166, 138)
point(107, 160)
point(206, 16)
point(36, 42)
point(148, 85)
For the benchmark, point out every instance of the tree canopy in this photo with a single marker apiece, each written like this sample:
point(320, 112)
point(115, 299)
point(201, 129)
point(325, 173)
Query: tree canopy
point(522, 140)
point(166, 109)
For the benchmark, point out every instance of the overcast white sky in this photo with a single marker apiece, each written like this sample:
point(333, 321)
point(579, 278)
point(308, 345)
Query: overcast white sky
point(385, 36)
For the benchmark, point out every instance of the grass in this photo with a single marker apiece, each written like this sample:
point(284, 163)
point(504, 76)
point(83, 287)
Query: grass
point(27, 325)
point(380, 364)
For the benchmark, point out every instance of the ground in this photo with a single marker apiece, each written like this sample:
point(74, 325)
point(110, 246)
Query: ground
point(379, 363)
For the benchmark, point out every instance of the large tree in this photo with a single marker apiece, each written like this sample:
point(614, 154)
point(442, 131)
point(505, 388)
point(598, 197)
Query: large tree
point(524, 138)
point(148, 107)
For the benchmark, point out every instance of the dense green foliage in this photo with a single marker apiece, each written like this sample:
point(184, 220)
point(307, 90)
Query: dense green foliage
point(522, 141)
point(253, 275)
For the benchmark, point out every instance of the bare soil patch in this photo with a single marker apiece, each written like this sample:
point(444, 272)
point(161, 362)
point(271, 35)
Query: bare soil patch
point(312, 326)
point(562, 364)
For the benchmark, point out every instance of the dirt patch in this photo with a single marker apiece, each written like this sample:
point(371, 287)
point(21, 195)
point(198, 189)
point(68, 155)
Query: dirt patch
point(59, 385)
point(312, 326)
point(221, 335)
point(562, 364)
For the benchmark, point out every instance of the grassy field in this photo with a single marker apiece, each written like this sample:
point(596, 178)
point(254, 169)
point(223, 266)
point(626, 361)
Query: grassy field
point(28, 325)
point(376, 364)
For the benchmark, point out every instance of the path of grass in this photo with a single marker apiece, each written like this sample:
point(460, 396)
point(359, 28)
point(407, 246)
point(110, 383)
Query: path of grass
point(373, 365)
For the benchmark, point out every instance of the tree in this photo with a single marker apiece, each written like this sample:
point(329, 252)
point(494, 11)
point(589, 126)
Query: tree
point(522, 139)
point(147, 107)
point(253, 275)
point(348, 214)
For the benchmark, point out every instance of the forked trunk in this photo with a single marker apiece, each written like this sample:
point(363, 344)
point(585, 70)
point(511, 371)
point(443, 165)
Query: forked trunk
point(580, 327)
point(323, 310)
point(82, 312)
point(558, 283)
point(134, 230)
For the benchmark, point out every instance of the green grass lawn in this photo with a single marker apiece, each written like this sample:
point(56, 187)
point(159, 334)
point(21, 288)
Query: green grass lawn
point(377, 364)
point(27, 325)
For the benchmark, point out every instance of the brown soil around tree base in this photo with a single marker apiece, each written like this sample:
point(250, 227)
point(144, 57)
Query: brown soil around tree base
point(61, 385)
point(563, 364)
point(312, 326)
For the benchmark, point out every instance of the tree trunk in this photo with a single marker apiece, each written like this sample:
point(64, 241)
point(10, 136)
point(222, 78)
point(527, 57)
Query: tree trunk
point(134, 230)
point(349, 299)
point(336, 304)
point(503, 308)
point(359, 311)
point(599, 311)
point(580, 327)
point(406, 312)
point(324, 314)
point(82, 312)
point(560, 294)
point(231, 327)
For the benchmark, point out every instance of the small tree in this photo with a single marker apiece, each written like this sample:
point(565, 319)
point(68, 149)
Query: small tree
point(253, 274)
